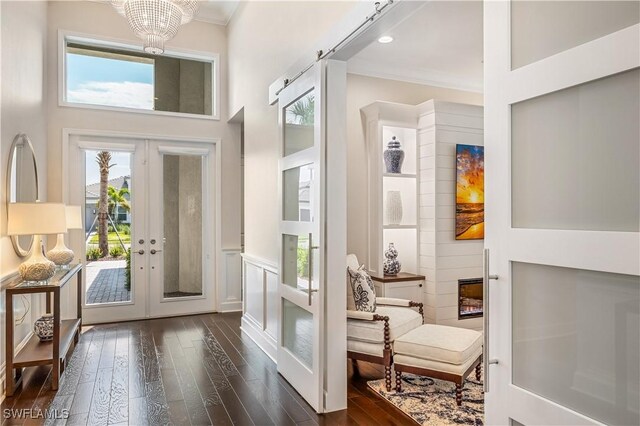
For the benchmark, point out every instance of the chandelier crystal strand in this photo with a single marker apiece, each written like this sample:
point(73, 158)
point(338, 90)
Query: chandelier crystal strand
point(156, 21)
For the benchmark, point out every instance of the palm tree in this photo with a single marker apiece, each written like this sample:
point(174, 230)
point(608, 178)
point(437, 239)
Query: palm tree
point(104, 164)
point(117, 198)
point(303, 111)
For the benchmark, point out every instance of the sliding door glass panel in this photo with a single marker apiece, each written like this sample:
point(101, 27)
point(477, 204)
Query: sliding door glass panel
point(540, 29)
point(576, 157)
point(298, 194)
point(299, 124)
point(576, 339)
point(295, 259)
point(109, 230)
point(297, 332)
point(182, 208)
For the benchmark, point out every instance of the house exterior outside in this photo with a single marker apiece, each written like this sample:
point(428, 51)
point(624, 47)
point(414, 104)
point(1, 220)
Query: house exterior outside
point(92, 195)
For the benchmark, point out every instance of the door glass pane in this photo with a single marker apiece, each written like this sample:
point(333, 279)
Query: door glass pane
point(108, 226)
point(297, 332)
point(576, 339)
point(540, 29)
point(576, 157)
point(298, 124)
point(297, 194)
point(295, 260)
point(182, 208)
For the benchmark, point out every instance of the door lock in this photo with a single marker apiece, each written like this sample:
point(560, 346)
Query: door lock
point(140, 241)
point(152, 241)
point(140, 251)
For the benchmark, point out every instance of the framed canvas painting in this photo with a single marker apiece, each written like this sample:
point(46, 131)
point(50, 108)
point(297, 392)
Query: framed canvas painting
point(469, 192)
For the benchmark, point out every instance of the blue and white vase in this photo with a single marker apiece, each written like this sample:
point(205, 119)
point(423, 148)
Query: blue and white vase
point(393, 156)
point(43, 327)
point(391, 265)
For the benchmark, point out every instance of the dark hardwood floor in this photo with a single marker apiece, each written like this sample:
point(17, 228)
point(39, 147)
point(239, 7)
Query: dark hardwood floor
point(196, 370)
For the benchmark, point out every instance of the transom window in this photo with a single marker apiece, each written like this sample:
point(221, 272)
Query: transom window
point(114, 76)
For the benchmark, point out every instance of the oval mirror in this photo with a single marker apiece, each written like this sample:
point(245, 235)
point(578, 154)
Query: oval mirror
point(22, 184)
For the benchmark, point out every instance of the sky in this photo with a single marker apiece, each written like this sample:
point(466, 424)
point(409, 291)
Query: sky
point(470, 174)
point(122, 167)
point(102, 81)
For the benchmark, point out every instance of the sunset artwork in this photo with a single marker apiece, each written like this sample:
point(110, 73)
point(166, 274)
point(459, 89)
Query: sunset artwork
point(469, 192)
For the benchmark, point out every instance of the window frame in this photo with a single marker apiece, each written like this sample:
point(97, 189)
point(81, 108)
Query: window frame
point(91, 40)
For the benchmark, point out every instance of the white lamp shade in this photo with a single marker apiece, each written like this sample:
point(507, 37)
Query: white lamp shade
point(74, 217)
point(36, 219)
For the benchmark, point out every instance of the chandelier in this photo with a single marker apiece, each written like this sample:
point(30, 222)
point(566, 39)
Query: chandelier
point(156, 21)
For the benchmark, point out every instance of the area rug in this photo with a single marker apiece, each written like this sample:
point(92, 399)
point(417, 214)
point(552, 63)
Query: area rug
point(432, 402)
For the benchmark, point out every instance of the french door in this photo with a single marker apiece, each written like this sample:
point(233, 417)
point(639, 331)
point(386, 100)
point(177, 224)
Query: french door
point(161, 211)
point(562, 161)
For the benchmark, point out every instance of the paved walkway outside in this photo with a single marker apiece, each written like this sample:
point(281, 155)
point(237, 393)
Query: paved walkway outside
point(105, 282)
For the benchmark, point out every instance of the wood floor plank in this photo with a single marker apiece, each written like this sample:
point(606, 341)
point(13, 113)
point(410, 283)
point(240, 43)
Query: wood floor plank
point(99, 409)
point(157, 407)
point(138, 411)
point(107, 355)
point(92, 360)
point(82, 398)
point(136, 368)
point(119, 404)
point(195, 405)
point(178, 413)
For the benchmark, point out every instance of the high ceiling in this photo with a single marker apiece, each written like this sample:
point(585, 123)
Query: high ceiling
point(441, 44)
point(217, 11)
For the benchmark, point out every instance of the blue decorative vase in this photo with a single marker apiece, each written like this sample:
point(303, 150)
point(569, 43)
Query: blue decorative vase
point(393, 156)
point(391, 265)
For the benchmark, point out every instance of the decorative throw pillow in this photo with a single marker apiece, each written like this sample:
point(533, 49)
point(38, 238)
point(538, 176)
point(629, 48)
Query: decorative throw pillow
point(364, 293)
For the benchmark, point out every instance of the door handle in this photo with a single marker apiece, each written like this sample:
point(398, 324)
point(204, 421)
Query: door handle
point(140, 251)
point(310, 265)
point(486, 360)
point(154, 251)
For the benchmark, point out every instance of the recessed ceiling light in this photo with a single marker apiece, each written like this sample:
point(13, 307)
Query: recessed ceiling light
point(385, 39)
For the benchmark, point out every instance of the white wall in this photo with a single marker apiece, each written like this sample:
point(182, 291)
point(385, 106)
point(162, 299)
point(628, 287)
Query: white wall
point(101, 20)
point(443, 259)
point(22, 109)
point(265, 38)
point(362, 91)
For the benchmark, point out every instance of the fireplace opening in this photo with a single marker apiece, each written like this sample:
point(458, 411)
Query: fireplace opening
point(470, 298)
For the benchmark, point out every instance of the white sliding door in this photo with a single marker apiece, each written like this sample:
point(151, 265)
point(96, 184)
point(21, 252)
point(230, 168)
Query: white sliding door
point(562, 158)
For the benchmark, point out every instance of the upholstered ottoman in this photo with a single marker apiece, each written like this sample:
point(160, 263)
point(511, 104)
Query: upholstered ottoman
point(438, 351)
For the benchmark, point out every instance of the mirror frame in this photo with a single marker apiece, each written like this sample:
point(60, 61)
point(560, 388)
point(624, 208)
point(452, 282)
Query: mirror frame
point(21, 138)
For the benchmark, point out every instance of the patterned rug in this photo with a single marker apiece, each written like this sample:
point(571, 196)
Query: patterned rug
point(432, 402)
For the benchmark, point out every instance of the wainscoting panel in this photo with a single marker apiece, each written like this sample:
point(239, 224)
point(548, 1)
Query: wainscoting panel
point(260, 304)
point(230, 289)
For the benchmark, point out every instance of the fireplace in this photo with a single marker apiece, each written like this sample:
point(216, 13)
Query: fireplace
point(470, 298)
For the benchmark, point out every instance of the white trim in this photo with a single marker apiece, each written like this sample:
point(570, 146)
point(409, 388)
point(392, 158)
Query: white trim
point(229, 284)
point(268, 345)
point(173, 150)
point(214, 58)
point(424, 76)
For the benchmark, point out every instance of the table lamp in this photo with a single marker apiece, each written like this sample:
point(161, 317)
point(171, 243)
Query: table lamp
point(61, 255)
point(36, 219)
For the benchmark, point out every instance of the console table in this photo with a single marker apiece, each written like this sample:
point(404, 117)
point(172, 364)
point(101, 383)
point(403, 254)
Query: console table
point(35, 352)
point(402, 286)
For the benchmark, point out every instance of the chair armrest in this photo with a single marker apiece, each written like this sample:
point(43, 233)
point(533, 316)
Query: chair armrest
point(360, 315)
point(391, 301)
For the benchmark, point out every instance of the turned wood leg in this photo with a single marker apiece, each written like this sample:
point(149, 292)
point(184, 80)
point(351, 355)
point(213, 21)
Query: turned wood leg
point(398, 381)
point(387, 378)
point(478, 371)
point(458, 394)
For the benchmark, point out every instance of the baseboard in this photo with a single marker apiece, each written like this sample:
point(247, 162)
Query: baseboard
point(3, 366)
point(234, 306)
point(265, 342)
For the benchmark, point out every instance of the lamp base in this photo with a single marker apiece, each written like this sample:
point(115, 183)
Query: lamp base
point(37, 268)
point(60, 254)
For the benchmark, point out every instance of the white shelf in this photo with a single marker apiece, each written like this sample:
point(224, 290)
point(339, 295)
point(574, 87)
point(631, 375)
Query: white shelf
point(399, 175)
point(400, 226)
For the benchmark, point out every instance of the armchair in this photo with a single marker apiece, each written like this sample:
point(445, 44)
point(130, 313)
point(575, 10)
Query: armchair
point(370, 335)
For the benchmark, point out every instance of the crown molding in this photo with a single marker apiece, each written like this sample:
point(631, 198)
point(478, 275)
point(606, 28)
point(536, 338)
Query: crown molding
point(423, 76)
